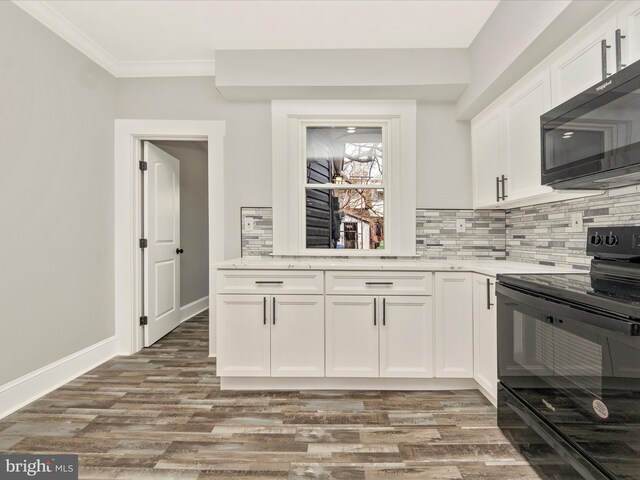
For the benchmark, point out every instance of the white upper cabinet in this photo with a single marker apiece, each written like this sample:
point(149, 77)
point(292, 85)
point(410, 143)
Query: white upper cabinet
point(522, 112)
point(590, 61)
point(629, 26)
point(488, 161)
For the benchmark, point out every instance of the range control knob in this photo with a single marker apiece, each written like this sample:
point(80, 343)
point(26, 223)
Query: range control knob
point(595, 239)
point(611, 240)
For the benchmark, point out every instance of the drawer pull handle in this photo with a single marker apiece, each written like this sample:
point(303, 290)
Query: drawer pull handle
point(378, 283)
point(264, 310)
point(375, 313)
point(269, 282)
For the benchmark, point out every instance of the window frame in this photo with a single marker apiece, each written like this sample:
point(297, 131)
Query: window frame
point(290, 120)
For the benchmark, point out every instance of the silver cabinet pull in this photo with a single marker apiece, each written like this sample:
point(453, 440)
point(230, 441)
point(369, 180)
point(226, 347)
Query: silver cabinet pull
point(603, 50)
point(503, 180)
point(274, 310)
point(264, 310)
point(489, 304)
point(269, 282)
point(619, 37)
point(378, 283)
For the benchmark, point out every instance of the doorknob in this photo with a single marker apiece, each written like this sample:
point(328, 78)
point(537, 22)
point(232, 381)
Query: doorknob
point(179, 251)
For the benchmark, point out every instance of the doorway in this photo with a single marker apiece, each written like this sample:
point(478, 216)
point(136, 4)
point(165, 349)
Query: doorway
point(174, 222)
point(129, 137)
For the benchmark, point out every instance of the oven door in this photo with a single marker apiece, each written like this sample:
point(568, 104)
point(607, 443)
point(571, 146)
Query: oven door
point(578, 370)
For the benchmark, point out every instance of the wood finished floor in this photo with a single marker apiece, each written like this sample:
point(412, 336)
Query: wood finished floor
point(160, 414)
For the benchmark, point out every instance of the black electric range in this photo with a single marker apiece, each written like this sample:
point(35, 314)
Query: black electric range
point(569, 363)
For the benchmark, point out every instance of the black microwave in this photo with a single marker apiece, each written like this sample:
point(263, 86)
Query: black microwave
point(592, 141)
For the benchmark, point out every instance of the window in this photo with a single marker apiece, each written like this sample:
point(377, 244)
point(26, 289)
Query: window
point(344, 178)
point(344, 191)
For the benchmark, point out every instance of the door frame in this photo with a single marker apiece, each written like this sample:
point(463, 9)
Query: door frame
point(127, 215)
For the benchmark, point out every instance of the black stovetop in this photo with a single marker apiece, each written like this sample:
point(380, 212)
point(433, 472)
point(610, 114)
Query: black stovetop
point(577, 288)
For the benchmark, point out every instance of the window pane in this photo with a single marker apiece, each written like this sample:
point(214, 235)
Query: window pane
point(345, 219)
point(344, 155)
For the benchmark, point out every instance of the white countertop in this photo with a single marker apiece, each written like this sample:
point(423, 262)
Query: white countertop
point(486, 267)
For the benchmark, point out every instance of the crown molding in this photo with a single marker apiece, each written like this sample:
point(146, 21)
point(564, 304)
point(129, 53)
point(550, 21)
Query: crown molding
point(61, 26)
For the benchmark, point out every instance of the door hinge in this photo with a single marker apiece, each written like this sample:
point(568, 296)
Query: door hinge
point(144, 320)
point(143, 165)
point(143, 243)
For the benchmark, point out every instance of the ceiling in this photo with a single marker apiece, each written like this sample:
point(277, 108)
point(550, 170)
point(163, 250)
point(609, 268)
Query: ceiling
point(169, 37)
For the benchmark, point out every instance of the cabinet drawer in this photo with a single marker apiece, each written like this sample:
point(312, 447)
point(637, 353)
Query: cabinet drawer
point(270, 282)
point(379, 283)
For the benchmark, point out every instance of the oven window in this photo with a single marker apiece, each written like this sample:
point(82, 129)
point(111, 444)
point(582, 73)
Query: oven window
point(560, 358)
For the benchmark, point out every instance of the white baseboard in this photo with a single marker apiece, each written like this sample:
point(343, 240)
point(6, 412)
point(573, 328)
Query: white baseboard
point(24, 390)
point(323, 383)
point(192, 309)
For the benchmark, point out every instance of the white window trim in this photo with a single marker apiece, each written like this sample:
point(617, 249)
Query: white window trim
point(289, 122)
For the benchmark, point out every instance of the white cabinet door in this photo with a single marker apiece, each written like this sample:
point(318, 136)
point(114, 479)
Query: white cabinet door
point(582, 66)
point(454, 325)
point(522, 112)
point(351, 336)
point(243, 335)
point(297, 336)
point(406, 337)
point(629, 25)
point(487, 153)
point(485, 362)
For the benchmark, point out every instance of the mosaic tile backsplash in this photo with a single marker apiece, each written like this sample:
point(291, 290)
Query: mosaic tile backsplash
point(437, 238)
point(542, 234)
point(259, 240)
point(539, 234)
point(484, 235)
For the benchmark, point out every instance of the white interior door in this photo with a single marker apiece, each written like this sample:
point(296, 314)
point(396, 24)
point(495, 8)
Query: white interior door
point(162, 230)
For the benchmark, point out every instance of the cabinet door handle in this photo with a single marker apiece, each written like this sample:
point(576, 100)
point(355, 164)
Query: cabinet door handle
point(384, 312)
point(503, 180)
point(619, 37)
point(489, 304)
point(603, 51)
point(264, 310)
point(274, 310)
point(497, 189)
point(375, 313)
point(269, 282)
point(378, 283)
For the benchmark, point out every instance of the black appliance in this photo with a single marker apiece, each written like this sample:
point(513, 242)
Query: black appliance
point(569, 363)
point(592, 141)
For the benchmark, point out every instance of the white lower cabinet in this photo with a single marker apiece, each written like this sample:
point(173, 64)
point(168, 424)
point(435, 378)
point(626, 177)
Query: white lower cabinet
point(351, 336)
point(454, 325)
point(485, 362)
point(406, 337)
point(375, 336)
point(297, 336)
point(271, 335)
point(244, 336)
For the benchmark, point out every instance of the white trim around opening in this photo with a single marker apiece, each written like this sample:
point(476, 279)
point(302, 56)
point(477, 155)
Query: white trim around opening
point(128, 134)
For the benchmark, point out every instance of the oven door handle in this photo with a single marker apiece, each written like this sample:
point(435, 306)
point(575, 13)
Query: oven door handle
point(566, 311)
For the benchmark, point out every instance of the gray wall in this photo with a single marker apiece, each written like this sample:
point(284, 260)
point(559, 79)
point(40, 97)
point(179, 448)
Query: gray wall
point(247, 146)
point(194, 221)
point(443, 163)
point(56, 197)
